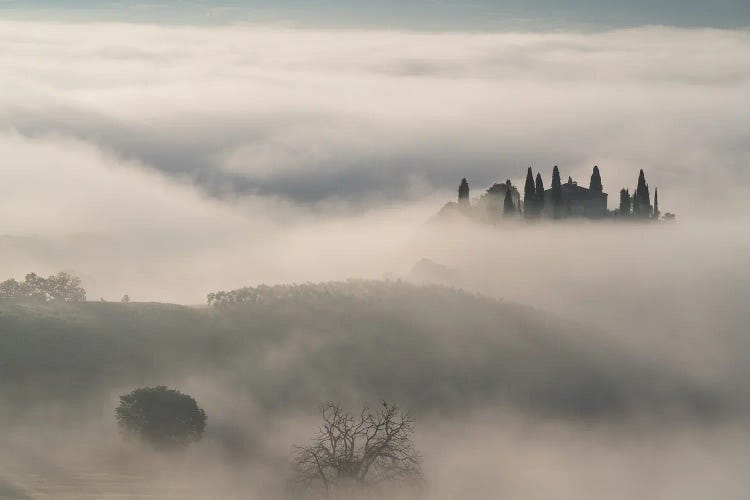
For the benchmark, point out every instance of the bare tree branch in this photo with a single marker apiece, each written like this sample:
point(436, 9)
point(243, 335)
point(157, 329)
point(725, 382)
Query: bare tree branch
point(369, 449)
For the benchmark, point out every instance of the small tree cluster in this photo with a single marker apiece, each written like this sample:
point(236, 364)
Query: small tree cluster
point(358, 451)
point(533, 195)
point(625, 202)
point(238, 296)
point(269, 294)
point(561, 200)
point(639, 204)
point(162, 417)
point(62, 287)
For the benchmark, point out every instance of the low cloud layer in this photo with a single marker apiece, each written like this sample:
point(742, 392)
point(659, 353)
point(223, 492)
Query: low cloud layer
point(360, 118)
point(166, 162)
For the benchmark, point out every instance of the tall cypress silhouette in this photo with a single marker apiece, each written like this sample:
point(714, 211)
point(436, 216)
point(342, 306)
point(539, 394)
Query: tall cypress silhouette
point(642, 197)
point(539, 194)
point(596, 181)
point(656, 204)
point(556, 193)
point(509, 208)
point(463, 193)
point(624, 202)
point(529, 195)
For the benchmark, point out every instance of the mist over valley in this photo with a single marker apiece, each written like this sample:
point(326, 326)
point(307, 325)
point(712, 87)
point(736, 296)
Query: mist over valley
point(280, 261)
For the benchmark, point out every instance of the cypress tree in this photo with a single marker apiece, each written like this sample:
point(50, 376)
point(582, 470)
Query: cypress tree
point(556, 194)
point(509, 208)
point(624, 202)
point(463, 193)
point(656, 204)
point(529, 195)
point(642, 197)
point(596, 181)
point(539, 194)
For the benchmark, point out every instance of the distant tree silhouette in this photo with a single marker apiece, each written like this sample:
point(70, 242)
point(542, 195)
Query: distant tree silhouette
point(358, 451)
point(12, 289)
point(624, 202)
point(556, 194)
point(164, 418)
point(59, 287)
point(596, 181)
point(125, 299)
point(492, 201)
point(509, 209)
point(463, 193)
point(642, 204)
point(529, 195)
point(539, 194)
point(656, 204)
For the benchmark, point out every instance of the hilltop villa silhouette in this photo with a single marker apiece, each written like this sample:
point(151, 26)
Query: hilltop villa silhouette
point(561, 200)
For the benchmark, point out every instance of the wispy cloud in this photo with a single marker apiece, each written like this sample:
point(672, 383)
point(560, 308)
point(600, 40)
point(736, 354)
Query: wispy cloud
point(362, 116)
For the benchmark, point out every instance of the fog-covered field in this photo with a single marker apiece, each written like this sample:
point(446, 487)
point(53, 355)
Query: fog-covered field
point(509, 399)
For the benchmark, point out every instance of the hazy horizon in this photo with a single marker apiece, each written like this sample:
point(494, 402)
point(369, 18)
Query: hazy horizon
point(444, 15)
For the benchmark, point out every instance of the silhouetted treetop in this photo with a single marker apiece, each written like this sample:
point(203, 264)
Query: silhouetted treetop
point(596, 181)
point(530, 202)
point(463, 192)
point(539, 193)
point(642, 202)
point(529, 190)
point(556, 193)
point(61, 286)
point(624, 202)
point(509, 208)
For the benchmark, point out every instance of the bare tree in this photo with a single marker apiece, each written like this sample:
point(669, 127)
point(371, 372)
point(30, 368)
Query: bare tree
point(366, 450)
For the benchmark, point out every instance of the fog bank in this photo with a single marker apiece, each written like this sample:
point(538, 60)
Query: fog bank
point(566, 359)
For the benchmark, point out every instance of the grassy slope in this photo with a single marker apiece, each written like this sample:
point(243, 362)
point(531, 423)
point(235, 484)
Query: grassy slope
point(427, 348)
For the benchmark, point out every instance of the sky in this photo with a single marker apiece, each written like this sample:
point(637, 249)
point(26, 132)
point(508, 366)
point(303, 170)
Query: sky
point(411, 14)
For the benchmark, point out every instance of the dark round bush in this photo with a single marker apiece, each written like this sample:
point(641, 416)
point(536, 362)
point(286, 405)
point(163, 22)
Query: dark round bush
point(164, 418)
